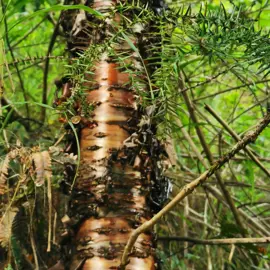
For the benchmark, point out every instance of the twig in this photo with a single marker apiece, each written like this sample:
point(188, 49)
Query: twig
point(189, 188)
point(231, 253)
point(185, 226)
point(228, 241)
point(191, 143)
point(209, 226)
point(239, 158)
point(230, 89)
point(262, 203)
point(5, 63)
point(251, 222)
point(207, 81)
point(243, 80)
point(49, 194)
point(237, 138)
point(16, 66)
point(14, 114)
point(27, 34)
point(250, 108)
point(46, 69)
point(209, 155)
point(40, 59)
point(31, 232)
point(22, 69)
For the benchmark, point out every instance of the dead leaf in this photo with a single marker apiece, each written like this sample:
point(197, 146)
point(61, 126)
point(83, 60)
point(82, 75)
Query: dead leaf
point(4, 174)
point(42, 161)
point(6, 226)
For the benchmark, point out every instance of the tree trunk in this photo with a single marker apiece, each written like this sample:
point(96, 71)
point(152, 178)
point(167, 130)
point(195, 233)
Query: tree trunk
point(113, 191)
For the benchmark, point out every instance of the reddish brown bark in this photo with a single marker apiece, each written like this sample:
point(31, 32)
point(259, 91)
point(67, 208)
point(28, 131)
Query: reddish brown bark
point(110, 196)
point(116, 190)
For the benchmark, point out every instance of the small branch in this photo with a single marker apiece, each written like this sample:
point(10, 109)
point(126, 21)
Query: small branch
point(40, 59)
point(208, 80)
point(13, 58)
point(259, 102)
point(251, 222)
point(239, 158)
point(197, 220)
point(243, 80)
point(46, 69)
point(230, 89)
point(228, 241)
point(49, 194)
point(13, 46)
point(237, 138)
point(209, 155)
point(191, 143)
point(15, 113)
point(189, 188)
point(22, 69)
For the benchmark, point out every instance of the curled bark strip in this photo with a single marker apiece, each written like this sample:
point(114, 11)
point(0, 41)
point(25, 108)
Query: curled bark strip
point(250, 137)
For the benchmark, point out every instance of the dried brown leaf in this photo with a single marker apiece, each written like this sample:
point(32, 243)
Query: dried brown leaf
point(6, 226)
point(42, 161)
point(4, 174)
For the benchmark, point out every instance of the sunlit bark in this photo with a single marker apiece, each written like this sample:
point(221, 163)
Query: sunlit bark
point(111, 194)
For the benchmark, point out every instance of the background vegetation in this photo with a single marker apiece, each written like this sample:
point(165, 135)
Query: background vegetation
point(214, 54)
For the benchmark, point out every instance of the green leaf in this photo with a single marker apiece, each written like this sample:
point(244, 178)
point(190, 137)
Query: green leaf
point(130, 43)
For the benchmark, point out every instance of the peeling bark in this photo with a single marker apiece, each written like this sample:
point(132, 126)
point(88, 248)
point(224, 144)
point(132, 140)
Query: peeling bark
point(115, 189)
point(119, 168)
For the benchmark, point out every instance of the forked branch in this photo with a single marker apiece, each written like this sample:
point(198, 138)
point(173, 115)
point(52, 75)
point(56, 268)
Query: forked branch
point(250, 137)
point(237, 138)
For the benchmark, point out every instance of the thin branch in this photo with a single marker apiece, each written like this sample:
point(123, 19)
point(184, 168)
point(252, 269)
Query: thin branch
point(209, 226)
point(239, 158)
point(237, 138)
point(46, 69)
point(13, 114)
point(243, 80)
point(259, 203)
point(13, 46)
point(16, 66)
point(189, 188)
point(228, 241)
point(208, 80)
point(191, 143)
point(250, 108)
point(209, 155)
point(230, 89)
point(252, 223)
point(31, 59)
